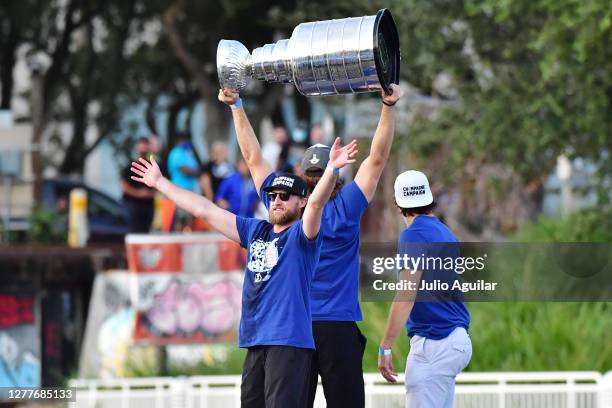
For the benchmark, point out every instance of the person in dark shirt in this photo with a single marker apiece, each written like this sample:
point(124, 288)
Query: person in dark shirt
point(216, 170)
point(155, 149)
point(285, 164)
point(137, 197)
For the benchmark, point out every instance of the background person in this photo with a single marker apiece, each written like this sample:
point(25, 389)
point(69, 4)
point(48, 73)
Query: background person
point(138, 198)
point(183, 169)
point(317, 136)
point(272, 149)
point(183, 165)
point(216, 170)
point(237, 192)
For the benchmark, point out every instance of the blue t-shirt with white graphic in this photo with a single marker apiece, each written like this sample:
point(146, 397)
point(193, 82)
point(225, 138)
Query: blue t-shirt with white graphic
point(437, 313)
point(277, 284)
point(335, 287)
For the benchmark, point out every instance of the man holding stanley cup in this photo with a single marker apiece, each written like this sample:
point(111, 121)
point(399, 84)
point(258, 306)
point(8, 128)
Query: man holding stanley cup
point(328, 58)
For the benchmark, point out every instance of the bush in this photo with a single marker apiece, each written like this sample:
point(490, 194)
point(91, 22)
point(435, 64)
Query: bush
point(593, 225)
point(46, 226)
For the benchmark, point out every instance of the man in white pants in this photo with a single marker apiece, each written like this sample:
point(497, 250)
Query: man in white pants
point(436, 320)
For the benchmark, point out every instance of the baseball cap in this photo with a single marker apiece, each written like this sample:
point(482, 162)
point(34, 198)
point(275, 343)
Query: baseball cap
point(288, 182)
point(314, 160)
point(412, 190)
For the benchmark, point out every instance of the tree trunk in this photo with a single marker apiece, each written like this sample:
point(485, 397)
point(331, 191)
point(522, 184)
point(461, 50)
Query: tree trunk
point(74, 159)
point(37, 99)
point(217, 118)
point(150, 114)
point(181, 102)
point(216, 114)
point(266, 105)
point(60, 55)
point(6, 67)
point(108, 120)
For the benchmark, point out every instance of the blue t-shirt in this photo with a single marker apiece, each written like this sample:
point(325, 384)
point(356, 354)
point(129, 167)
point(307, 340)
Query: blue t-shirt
point(437, 313)
point(182, 156)
point(239, 193)
point(277, 280)
point(335, 287)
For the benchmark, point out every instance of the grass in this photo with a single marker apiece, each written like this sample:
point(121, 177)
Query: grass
point(520, 336)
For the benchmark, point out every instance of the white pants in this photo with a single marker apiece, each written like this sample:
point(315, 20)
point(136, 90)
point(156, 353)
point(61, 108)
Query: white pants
point(431, 368)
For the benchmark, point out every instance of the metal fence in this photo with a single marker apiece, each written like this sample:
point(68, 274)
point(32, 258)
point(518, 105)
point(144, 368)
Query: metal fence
point(580, 389)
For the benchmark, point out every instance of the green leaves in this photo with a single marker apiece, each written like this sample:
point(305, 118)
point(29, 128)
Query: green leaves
point(547, 70)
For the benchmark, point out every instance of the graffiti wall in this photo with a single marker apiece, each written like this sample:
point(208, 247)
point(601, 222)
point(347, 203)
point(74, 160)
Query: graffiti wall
point(180, 290)
point(19, 341)
point(189, 309)
point(188, 288)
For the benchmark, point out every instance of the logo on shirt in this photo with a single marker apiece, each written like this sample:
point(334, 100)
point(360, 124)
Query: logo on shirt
point(263, 256)
point(314, 159)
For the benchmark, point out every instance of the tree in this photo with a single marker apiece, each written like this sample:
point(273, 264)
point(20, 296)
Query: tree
point(515, 85)
point(529, 81)
point(194, 29)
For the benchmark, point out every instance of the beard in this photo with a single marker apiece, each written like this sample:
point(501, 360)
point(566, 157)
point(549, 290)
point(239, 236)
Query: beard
point(284, 217)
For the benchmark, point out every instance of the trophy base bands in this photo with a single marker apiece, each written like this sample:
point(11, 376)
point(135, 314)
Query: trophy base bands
point(9, 394)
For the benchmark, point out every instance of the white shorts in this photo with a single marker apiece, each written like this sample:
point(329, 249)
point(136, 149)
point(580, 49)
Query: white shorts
point(431, 368)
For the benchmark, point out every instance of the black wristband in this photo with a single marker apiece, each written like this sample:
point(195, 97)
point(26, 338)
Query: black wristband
point(388, 104)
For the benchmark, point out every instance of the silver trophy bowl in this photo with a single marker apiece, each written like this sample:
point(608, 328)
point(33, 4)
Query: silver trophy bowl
point(332, 57)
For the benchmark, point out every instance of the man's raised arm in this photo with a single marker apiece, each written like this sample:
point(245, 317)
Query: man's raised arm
point(223, 221)
point(371, 169)
point(338, 158)
point(249, 145)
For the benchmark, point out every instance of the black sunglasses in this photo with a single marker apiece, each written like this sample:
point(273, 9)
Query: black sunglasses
point(282, 196)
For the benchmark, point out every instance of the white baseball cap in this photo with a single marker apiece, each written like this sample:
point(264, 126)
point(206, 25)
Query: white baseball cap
point(412, 190)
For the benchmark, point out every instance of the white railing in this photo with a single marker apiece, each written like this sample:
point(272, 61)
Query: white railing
point(580, 389)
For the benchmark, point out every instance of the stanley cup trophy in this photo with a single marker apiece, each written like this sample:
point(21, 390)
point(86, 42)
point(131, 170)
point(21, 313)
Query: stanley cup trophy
point(333, 57)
